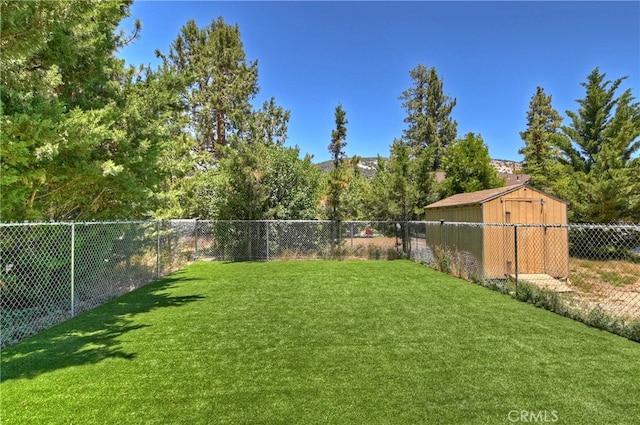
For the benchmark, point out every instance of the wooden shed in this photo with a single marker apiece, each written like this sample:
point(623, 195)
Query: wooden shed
point(508, 217)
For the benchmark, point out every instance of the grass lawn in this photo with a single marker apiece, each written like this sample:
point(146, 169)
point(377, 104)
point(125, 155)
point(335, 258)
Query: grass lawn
point(306, 342)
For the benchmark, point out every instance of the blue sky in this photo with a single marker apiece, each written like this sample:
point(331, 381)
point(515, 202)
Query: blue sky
point(490, 55)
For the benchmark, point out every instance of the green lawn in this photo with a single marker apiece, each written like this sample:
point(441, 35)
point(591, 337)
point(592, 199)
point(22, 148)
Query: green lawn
point(305, 342)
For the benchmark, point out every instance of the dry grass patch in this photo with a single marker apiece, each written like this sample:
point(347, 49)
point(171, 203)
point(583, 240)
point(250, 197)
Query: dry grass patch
point(612, 285)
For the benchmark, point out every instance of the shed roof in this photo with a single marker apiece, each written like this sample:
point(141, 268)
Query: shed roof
point(479, 197)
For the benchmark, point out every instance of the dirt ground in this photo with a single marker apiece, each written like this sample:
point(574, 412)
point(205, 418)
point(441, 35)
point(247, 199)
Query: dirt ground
point(381, 242)
point(612, 285)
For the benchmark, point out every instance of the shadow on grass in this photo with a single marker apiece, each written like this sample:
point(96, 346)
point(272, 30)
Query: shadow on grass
point(91, 337)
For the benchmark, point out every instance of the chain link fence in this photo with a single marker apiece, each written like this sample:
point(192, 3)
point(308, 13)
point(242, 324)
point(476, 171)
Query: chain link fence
point(50, 272)
point(311, 239)
point(590, 273)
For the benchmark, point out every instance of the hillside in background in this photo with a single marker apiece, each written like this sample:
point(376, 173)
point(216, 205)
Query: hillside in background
point(506, 167)
point(369, 166)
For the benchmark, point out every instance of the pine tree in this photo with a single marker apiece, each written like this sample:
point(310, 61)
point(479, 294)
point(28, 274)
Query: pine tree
point(430, 131)
point(401, 189)
point(600, 144)
point(378, 201)
point(431, 128)
point(337, 183)
point(269, 124)
point(357, 191)
point(222, 82)
point(602, 120)
point(293, 185)
point(78, 137)
point(337, 178)
point(541, 138)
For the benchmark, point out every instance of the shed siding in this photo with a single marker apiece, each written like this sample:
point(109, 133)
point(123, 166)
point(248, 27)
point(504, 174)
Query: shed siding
point(498, 251)
point(461, 214)
point(493, 212)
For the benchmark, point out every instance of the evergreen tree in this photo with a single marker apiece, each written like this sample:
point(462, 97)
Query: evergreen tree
point(430, 126)
point(337, 178)
point(243, 191)
point(337, 183)
point(260, 182)
point(400, 168)
point(541, 138)
point(600, 144)
point(430, 131)
point(602, 120)
point(393, 189)
point(401, 197)
point(183, 184)
point(293, 185)
point(269, 124)
point(393, 186)
point(214, 114)
point(258, 179)
point(76, 143)
point(221, 81)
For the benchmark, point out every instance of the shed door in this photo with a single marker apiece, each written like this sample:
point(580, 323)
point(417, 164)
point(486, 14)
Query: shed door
point(531, 239)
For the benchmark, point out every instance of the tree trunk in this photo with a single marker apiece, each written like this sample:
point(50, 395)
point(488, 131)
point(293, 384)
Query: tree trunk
point(220, 128)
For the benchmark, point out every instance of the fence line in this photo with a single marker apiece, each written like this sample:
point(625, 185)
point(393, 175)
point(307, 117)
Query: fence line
point(587, 272)
point(50, 272)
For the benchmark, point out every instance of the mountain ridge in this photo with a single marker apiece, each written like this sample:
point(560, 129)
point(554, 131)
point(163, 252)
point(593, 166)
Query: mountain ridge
point(369, 166)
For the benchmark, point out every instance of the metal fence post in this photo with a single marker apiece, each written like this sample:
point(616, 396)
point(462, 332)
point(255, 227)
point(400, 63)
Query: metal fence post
point(445, 238)
point(267, 236)
point(515, 248)
point(352, 235)
point(195, 239)
point(73, 269)
point(407, 241)
point(340, 239)
point(157, 249)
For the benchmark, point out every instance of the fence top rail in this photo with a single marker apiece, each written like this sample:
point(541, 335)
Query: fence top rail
point(301, 221)
point(605, 226)
point(76, 223)
point(36, 223)
point(613, 226)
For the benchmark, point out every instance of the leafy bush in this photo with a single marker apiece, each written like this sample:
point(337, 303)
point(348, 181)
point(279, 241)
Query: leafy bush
point(632, 331)
point(549, 300)
point(35, 265)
